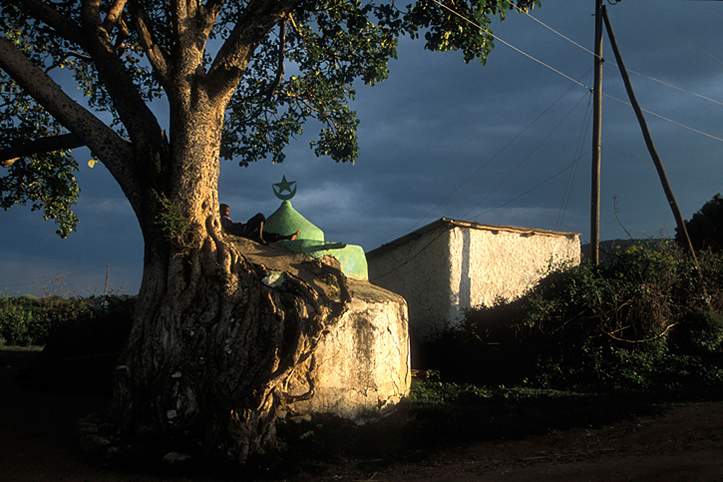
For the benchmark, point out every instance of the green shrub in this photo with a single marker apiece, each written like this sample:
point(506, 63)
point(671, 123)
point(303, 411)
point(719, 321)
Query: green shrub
point(22, 322)
point(85, 337)
point(647, 319)
point(700, 333)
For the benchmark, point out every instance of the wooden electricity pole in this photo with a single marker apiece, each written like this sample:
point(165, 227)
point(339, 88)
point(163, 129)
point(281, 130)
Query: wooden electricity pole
point(680, 222)
point(107, 274)
point(596, 137)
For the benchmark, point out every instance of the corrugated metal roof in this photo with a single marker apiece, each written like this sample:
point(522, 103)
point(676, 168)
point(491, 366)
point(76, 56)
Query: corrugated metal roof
point(447, 223)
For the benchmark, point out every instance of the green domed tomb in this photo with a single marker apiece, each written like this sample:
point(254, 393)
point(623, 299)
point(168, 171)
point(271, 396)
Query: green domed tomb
point(287, 220)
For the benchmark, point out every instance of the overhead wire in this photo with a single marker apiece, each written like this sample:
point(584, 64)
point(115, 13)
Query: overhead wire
point(575, 162)
point(585, 49)
point(679, 124)
point(523, 194)
point(576, 82)
point(525, 159)
point(567, 194)
point(520, 51)
point(500, 151)
point(16, 285)
point(693, 46)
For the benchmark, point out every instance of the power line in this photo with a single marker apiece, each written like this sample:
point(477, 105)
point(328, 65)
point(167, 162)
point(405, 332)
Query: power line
point(573, 172)
point(520, 51)
point(485, 164)
point(576, 82)
point(50, 278)
point(525, 159)
point(580, 83)
point(545, 181)
point(684, 126)
point(712, 58)
point(667, 84)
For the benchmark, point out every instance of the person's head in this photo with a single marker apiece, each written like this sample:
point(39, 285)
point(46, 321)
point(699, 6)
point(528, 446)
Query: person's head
point(224, 209)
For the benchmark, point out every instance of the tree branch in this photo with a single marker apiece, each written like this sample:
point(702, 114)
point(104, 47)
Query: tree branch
point(139, 120)
point(101, 139)
point(114, 14)
point(90, 13)
point(280, 63)
point(637, 342)
point(209, 14)
point(157, 56)
point(62, 25)
point(10, 155)
point(233, 57)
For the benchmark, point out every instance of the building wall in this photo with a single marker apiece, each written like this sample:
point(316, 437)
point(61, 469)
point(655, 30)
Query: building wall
point(492, 264)
point(454, 266)
point(419, 270)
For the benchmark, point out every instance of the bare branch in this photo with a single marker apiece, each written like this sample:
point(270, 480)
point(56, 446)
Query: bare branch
point(636, 342)
point(280, 63)
point(233, 57)
point(10, 155)
point(114, 14)
point(210, 13)
point(90, 13)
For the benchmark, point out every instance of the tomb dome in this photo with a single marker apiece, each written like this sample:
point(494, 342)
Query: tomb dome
point(286, 220)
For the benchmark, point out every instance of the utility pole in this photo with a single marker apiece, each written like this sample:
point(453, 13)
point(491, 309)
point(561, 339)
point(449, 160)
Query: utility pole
point(596, 137)
point(107, 274)
point(680, 222)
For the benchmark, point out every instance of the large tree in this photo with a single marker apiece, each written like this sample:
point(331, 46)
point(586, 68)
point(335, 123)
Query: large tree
point(211, 345)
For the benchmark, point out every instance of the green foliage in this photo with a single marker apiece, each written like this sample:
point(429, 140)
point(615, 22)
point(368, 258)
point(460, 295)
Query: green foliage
point(82, 338)
point(647, 320)
point(45, 181)
point(175, 227)
point(173, 224)
point(700, 334)
point(26, 321)
point(326, 46)
point(705, 228)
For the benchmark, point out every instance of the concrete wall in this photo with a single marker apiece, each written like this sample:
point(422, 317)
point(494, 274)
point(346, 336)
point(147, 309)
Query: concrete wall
point(419, 270)
point(450, 266)
point(491, 264)
point(363, 362)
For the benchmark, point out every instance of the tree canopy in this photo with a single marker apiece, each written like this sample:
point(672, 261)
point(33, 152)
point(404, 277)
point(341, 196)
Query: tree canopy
point(96, 73)
point(705, 228)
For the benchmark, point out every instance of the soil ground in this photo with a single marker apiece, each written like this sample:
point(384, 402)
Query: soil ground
point(682, 442)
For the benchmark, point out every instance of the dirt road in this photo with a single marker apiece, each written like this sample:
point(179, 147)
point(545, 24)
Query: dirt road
point(685, 443)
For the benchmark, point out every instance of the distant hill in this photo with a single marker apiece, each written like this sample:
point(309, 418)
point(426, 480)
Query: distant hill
point(608, 249)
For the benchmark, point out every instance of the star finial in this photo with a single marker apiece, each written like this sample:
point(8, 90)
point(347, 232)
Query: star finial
point(284, 186)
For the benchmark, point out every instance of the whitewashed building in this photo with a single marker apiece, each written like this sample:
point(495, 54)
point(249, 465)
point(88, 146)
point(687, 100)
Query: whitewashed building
point(450, 266)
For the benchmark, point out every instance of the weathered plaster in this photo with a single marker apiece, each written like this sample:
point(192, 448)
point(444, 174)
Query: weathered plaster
point(450, 266)
point(362, 363)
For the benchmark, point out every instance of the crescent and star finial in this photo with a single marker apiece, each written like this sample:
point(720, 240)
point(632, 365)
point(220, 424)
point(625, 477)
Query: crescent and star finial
point(285, 186)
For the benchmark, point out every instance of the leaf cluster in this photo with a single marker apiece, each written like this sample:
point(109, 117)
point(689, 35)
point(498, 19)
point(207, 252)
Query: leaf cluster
point(45, 181)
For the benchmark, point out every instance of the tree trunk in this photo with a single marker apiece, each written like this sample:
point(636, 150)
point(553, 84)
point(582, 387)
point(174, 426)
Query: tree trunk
point(206, 364)
point(212, 344)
